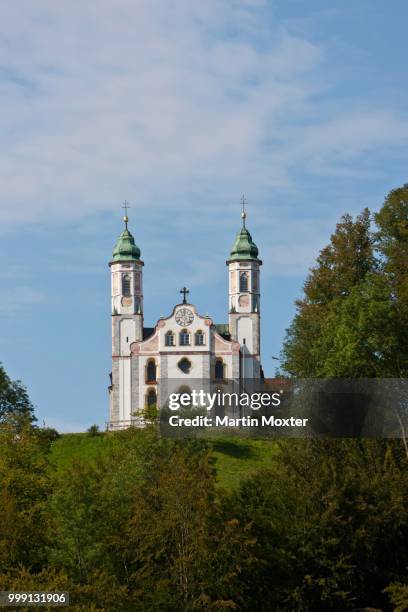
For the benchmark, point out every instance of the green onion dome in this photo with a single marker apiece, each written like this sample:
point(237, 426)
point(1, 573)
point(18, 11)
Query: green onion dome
point(244, 247)
point(126, 248)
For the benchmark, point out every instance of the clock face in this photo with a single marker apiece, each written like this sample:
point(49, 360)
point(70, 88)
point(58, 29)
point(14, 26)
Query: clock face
point(184, 317)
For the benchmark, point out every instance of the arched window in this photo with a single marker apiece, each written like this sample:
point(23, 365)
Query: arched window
point(219, 369)
point(151, 371)
point(199, 338)
point(169, 338)
point(126, 284)
point(184, 338)
point(243, 281)
point(151, 398)
point(184, 365)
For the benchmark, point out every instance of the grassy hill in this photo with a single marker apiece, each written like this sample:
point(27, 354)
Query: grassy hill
point(235, 457)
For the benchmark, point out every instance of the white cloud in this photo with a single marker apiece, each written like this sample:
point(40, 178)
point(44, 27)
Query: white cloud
point(149, 99)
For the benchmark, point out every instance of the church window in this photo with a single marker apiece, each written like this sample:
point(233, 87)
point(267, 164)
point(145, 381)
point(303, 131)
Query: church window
point(126, 285)
point(151, 371)
point(243, 281)
point(184, 338)
point(199, 338)
point(169, 339)
point(151, 398)
point(184, 365)
point(219, 369)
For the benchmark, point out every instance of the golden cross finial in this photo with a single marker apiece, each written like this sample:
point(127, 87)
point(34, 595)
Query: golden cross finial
point(243, 214)
point(126, 205)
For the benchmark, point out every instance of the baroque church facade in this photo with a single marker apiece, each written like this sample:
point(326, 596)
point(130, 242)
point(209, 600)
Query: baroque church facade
point(184, 346)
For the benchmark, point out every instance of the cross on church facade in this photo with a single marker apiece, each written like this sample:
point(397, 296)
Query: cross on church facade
point(184, 291)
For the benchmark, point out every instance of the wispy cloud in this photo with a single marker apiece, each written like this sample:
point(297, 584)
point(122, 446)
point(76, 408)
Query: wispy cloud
point(15, 299)
point(160, 100)
point(13, 272)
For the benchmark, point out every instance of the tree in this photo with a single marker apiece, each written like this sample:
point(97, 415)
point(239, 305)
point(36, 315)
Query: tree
point(184, 553)
point(330, 523)
point(24, 485)
point(93, 430)
point(344, 262)
point(392, 245)
point(352, 322)
point(340, 266)
point(92, 502)
point(14, 400)
point(146, 517)
point(360, 333)
point(353, 318)
point(73, 519)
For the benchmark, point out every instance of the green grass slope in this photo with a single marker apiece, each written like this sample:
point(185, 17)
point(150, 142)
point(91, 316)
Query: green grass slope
point(236, 458)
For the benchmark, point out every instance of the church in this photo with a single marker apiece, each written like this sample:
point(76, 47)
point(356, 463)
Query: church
point(184, 346)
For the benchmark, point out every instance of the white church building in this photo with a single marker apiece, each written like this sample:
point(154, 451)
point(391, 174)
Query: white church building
point(184, 345)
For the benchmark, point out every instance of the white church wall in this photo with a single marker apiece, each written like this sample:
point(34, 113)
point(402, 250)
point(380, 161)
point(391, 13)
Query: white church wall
point(196, 370)
point(127, 330)
point(198, 323)
point(125, 389)
point(244, 332)
point(133, 302)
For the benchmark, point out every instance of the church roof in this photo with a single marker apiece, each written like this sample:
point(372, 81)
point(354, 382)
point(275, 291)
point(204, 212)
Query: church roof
point(244, 247)
point(223, 330)
point(126, 248)
point(148, 332)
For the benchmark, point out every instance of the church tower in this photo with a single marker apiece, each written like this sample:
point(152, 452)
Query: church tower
point(244, 300)
point(127, 318)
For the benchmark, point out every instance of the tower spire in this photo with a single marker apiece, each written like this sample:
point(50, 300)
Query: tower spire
point(125, 246)
point(126, 205)
point(243, 214)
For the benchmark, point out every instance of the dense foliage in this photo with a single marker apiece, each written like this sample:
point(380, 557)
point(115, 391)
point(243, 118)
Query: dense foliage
point(143, 526)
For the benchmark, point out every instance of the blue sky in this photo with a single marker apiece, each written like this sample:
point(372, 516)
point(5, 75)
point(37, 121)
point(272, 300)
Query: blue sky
point(179, 108)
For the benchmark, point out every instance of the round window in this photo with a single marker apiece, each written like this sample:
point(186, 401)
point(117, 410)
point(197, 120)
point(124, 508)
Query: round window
point(184, 365)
